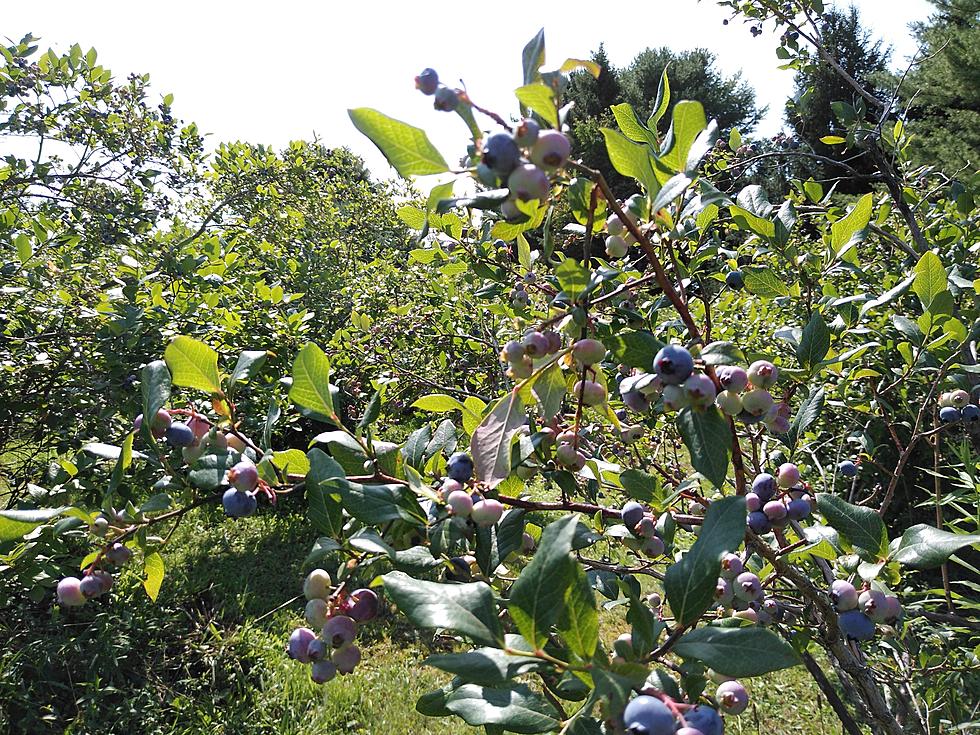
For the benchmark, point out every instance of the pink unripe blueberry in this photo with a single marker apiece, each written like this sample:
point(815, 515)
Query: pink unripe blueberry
point(763, 374)
point(235, 442)
point(723, 592)
point(636, 401)
point(199, 425)
point(244, 476)
point(700, 389)
point(70, 592)
point(527, 543)
point(843, 595)
point(316, 586)
point(551, 149)
point(323, 671)
point(158, 427)
point(752, 502)
point(118, 554)
point(526, 133)
point(588, 351)
point(774, 510)
point(460, 503)
point(513, 351)
point(872, 603)
point(788, 475)
point(747, 586)
point(487, 512)
point(449, 485)
point(731, 566)
point(316, 612)
point(362, 605)
point(732, 697)
point(339, 630)
point(893, 608)
point(299, 644)
point(593, 394)
point(569, 457)
point(732, 377)
point(528, 182)
point(346, 658)
point(747, 614)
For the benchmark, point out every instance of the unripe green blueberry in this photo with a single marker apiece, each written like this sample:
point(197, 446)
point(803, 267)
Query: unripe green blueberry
point(317, 585)
point(959, 398)
point(346, 658)
point(729, 402)
point(630, 434)
point(593, 394)
point(487, 512)
point(528, 182)
point(551, 149)
point(646, 527)
point(757, 402)
point(588, 352)
point(191, 454)
point(623, 646)
point(316, 612)
point(614, 225)
point(616, 247)
point(945, 400)
point(567, 456)
point(763, 374)
point(99, 526)
point(460, 503)
point(521, 369)
point(675, 397)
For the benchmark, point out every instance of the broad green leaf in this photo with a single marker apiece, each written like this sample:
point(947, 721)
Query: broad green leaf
point(443, 440)
point(722, 353)
point(495, 543)
point(153, 567)
point(642, 486)
point(814, 343)
point(930, 280)
point(808, 412)
point(739, 652)
point(377, 504)
point(208, 472)
point(437, 403)
point(862, 527)
point(630, 159)
point(630, 125)
point(572, 277)
point(291, 461)
point(406, 147)
point(814, 190)
point(485, 666)
point(853, 227)
point(414, 449)
point(578, 623)
point(541, 99)
point(708, 439)
point(248, 365)
point(549, 388)
point(925, 547)
point(467, 609)
point(524, 252)
point(690, 582)
point(193, 364)
point(674, 188)
point(532, 57)
point(311, 381)
point(473, 409)
point(662, 102)
point(491, 440)
point(765, 283)
point(688, 122)
point(15, 524)
point(24, 248)
point(517, 709)
point(155, 386)
point(634, 348)
point(747, 220)
point(322, 548)
point(537, 597)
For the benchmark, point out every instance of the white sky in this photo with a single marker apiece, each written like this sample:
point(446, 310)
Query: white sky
point(273, 72)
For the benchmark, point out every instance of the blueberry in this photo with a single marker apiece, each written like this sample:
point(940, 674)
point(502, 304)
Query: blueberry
point(847, 468)
point(528, 182)
point(70, 592)
point(646, 715)
point(316, 586)
point(759, 522)
point(855, 624)
point(238, 504)
point(592, 393)
point(732, 697)
point(959, 398)
point(893, 608)
point(460, 502)
point(872, 603)
point(501, 153)
point(535, 344)
point(632, 513)
point(346, 658)
point(427, 81)
point(118, 554)
point(723, 592)
point(339, 630)
point(317, 650)
point(244, 476)
point(747, 586)
point(636, 401)
point(588, 351)
point(180, 435)
point(527, 133)
point(690, 730)
point(843, 595)
point(487, 512)
point(735, 280)
point(91, 586)
point(757, 402)
point(763, 374)
point(569, 457)
point(731, 566)
point(323, 671)
point(460, 467)
point(797, 510)
point(970, 412)
point(729, 402)
point(551, 149)
point(316, 612)
point(764, 485)
point(700, 390)
point(949, 415)
point(788, 475)
point(616, 247)
point(446, 99)
point(299, 644)
point(752, 502)
point(705, 719)
point(362, 605)
point(105, 579)
point(673, 364)
point(653, 547)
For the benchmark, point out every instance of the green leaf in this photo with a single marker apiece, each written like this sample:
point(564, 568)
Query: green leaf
point(690, 582)
point(662, 102)
point(323, 493)
point(291, 461)
point(572, 277)
point(643, 486)
point(491, 440)
point(549, 388)
point(578, 623)
point(765, 283)
point(208, 472)
point(495, 543)
point(814, 343)
point(722, 353)
point(634, 348)
point(537, 597)
point(486, 666)
point(808, 412)
point(630, 124)
point(739, 652)
point(406, 147)
point(862, 527)
point(748, 220)
point(193, 364)
point(155, 386)
point(541, 99)
point(688, 121)
point(853, 227)
point(438, 403)
point(467, 609)
point(930, 280)
point(524, 252)
point(248, 365)
point(24, 249)
point(311, 382)
point(377, 504)
point(516, 709)
point(414, 449)
point(532, 57)
point(322, 548)
point(925, 547)
point(674, 188)
point(153, 567)
point(708, 439)
point(630, 159)
point(15, 524)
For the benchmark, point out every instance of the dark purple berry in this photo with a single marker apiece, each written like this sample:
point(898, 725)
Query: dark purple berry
point(427, 81)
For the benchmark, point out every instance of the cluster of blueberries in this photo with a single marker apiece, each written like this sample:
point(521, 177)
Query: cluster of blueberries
point(72, 591)
point(239, 500)
point(650, 715)
point(520, 354)
point(620, 238)
point(955, 406)
point(519, 297)
point(333, 651)
point(775, 501)
point(192, 437)
point(482, 511)
point(521, 161)
point(741, 592)
point(643, 528)
point(857, 612)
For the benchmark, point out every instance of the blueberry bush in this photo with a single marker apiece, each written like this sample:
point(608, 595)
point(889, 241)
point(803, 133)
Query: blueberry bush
point(743, 421)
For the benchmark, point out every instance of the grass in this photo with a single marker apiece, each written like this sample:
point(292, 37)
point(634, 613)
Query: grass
point(208, 657)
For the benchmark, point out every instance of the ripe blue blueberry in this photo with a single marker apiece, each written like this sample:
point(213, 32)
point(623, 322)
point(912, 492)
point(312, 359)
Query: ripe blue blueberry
point(764, 485)
point(299, 644)
point(798, 509)
point(446, 99)
point(501, 153)
point(970, 412)
point(427, 81)
point(158, 426)
point(323, 671)
point(855, 624)
point(759, 522)
point(460, 467)
point(735, 280)
point(118, 554)
point(527, 133)
point(551, 149)
point(238, 504)
point(705, 719)
point(632, 513)
point(646, 715)
point(346, 658)
point(673, 364)
point(847, 468)
point(949, 415)
point(180, 435)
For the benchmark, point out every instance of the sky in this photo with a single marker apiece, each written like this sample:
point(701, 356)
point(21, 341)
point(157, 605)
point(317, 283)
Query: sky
point(271, 72)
